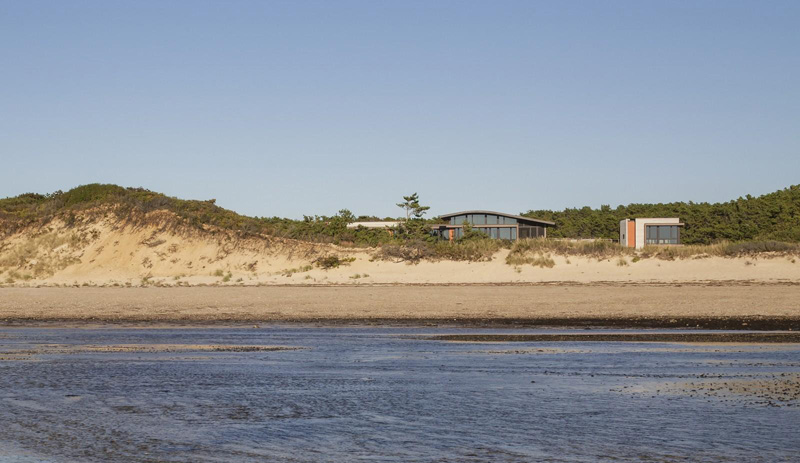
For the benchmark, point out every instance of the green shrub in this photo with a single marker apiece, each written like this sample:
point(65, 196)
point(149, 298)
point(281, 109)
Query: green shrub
point(470, 234)
point(329, 262)
point(474, 250)
point(598, 249)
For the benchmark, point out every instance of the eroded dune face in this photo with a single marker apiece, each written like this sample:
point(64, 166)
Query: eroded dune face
point(158, 248)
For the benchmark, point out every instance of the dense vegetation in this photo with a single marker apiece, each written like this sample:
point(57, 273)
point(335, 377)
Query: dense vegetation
point(774, 216)
point(768, 218)
point(126, 203)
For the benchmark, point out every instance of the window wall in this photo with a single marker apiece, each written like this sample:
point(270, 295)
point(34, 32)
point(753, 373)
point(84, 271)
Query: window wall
point(662, 234)
point(482, 219)
point(495, 232)
point(494, 225)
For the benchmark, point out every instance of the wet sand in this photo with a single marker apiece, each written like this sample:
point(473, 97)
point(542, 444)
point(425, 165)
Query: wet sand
point(734, 306)
point(771, 389)
point(673, 337)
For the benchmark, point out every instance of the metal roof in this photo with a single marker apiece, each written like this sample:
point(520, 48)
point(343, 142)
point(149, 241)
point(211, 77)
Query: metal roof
point(518, 217)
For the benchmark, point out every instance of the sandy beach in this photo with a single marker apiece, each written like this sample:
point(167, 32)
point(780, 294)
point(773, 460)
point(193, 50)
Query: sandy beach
point(106, 272)
point(739, 305)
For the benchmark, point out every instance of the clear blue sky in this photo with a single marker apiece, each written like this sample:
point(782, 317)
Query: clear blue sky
point(306, 107)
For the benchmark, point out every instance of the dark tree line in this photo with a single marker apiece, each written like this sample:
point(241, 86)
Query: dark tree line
point(773, 216)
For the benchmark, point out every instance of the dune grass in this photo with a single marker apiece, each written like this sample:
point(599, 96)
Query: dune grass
point(526, 251)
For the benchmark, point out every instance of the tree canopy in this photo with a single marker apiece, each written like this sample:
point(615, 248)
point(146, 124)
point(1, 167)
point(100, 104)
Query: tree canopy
point(773, 216)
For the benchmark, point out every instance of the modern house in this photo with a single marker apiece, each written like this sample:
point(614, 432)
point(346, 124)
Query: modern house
point(495, 224)
point(638, 233)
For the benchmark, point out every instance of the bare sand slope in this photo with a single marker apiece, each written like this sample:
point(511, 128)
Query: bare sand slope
point(669, 304)
point(105, 252)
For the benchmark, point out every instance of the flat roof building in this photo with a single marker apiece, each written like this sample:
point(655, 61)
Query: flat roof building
point(374, 224)
point(495, 224)
point(641, 232)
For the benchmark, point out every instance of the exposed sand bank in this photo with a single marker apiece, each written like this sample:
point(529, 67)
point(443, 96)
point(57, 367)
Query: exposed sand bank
point(722, 306)
point(108, 253)
point(164, 271)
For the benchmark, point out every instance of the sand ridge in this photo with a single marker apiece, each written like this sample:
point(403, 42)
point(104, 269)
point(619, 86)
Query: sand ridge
point(106, 252)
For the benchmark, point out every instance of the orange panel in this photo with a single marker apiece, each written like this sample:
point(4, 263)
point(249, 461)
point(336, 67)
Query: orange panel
point(451, 234)
point(631, 234)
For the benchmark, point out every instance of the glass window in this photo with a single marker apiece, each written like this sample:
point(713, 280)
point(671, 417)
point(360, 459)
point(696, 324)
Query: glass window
point(505, 233)
point(510, 221)
point(513, 233)
point(479, 219)
point(491, 219)
point(662, 234)
point(493, 232)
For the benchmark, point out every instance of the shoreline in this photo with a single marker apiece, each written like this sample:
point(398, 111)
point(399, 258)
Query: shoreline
point(723, 324)
point(713, 306)
point(683, 338)
point(542, 283)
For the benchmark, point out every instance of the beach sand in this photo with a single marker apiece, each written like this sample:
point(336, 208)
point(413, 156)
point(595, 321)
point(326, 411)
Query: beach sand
point(733, 305)
point(107, 253)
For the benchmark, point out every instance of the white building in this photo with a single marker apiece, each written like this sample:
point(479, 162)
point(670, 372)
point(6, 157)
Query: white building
point(641, 232)
point(386, 225)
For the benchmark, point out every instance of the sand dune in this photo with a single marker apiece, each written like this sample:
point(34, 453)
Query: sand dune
point(104, 252)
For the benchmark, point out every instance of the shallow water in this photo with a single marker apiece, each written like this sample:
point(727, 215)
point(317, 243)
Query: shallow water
point(376, 394)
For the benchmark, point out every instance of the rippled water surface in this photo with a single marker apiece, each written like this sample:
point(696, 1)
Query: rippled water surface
point(377, 394)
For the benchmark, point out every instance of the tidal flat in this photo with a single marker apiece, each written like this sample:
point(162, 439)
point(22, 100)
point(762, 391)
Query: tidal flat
point(347, 393)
